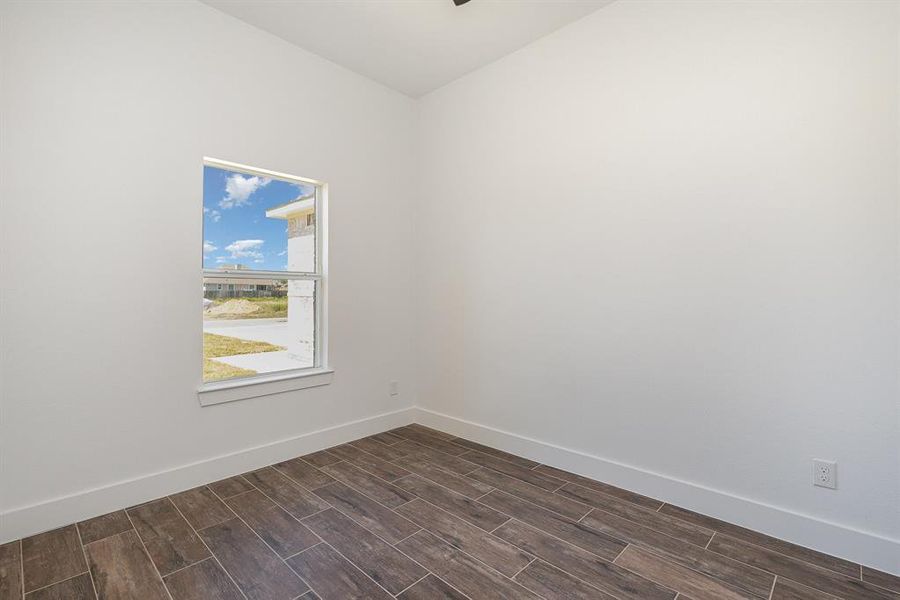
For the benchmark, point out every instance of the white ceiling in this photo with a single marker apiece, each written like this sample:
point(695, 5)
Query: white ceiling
point(413, 46)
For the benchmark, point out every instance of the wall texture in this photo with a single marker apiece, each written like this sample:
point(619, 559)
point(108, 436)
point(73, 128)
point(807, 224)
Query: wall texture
point(666, 236)
point(107, 110)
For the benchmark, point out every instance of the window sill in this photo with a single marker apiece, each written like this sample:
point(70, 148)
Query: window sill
point(220, 392)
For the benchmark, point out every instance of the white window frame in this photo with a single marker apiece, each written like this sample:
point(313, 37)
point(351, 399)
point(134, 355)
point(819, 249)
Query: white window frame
point(229, 390)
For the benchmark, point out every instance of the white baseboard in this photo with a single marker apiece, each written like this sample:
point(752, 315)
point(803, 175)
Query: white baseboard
point(863, 547)
point(29, 520)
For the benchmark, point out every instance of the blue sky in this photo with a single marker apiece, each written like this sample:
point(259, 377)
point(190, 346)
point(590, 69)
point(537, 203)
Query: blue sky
point(235, 227)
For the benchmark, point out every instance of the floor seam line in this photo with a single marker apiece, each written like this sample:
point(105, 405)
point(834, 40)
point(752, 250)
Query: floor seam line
point(208, 549)
point(87, 563)
point(149, 558)
point(427, 573)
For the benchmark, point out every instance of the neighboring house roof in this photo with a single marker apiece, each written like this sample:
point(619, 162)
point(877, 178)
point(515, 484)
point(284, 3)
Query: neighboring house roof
point(303, 204)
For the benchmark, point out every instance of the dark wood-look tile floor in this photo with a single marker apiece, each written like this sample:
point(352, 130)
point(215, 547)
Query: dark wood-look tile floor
point(415, 513)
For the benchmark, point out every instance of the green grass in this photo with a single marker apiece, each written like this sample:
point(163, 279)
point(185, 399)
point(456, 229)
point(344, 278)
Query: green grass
point(268, 308)
point(214, 370)
point(222, 345)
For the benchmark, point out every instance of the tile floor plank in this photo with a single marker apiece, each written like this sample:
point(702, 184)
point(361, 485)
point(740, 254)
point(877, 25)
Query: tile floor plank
point(282, 532)
point(103, 526)
point(518, 460)
point(547, 483)
point(226, 488)
point(460, 570)
point(321, 458)
point(676, 577)
point(610, 490)
point(121, 569)
point(377, 449)
point(429, 431)
point(676, 528)
point(844, 567)
point(881, 579)
point(203, 581)
point(602, 574)
point(427, 438)
point(287, 494)
point(373, 487)
point(735, 573)
point(489, 549)
point(458, 483)
point(465, 508)
point(333, 576)
point(51, 557)
point(376, 558)
point(170, 541)
point(303, 473)
point(258, 571)
point(800, 571)
point(577, 534)
point(79, 587)
point(375, 517)
point(454, 464)
point(553, 584)
point(431, 588)
point(201, 507)
point(11, 571)
point(386, 438)
point(369, 462)
point(566, 506)
point(785, 589)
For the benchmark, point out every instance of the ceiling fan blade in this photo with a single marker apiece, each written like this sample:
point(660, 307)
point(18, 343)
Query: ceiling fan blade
point(459, 2)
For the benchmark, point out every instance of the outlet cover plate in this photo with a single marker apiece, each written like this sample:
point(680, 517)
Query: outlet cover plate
point(825, 473)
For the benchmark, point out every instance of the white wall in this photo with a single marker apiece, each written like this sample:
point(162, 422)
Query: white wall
point(666, 236)
point(107, 110)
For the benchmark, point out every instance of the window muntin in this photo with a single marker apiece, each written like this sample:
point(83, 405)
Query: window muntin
point(263, 280)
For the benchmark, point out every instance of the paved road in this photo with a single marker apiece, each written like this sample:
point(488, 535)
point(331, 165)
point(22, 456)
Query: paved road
point(266, 362)
point(273, 331)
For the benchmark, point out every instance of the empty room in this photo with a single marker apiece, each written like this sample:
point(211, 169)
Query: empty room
point(449, 299)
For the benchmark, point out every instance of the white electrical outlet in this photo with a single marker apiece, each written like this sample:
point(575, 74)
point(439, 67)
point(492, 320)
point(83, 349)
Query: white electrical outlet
point(825, 473)
point(394, 388)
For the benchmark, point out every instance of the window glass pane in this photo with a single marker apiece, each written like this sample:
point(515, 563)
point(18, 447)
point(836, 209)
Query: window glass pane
point(259, 223)
point(257, 326)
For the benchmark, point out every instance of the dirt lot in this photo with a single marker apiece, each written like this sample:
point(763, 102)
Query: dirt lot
point(247, 308)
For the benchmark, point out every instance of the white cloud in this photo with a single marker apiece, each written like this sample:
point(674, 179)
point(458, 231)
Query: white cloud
point(282, 253)
point(304, 190)
point(245, 249)
point(239, 188)
point(213, 214)
point(208, 247)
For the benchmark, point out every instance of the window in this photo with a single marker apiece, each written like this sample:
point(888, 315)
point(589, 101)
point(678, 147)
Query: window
point(263, 275)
